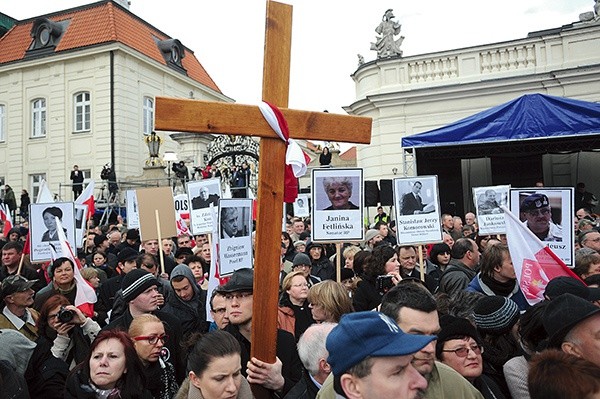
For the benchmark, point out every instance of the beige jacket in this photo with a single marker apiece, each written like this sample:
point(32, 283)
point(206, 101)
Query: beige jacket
point(188, 391)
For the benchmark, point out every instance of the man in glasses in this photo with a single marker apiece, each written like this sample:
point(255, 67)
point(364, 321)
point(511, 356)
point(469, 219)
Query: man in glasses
point(538, 215)
point(140, 293)
point(278, 377)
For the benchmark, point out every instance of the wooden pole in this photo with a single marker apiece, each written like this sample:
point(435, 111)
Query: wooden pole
point(20, 264)
point(421, 265)
point(160, 252)
point(338, 261)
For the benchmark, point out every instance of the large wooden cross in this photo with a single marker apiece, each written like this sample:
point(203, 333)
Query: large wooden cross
point(234, 119)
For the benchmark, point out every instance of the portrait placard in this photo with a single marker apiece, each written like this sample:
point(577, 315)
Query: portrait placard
point(417, 210)
point(133, 212)
point(235, 232)
point(548, 213)
point(151, 200)
point(301, 208)
point(487, 201)
point(43, 231)
point(337, 205)
point(202, 194)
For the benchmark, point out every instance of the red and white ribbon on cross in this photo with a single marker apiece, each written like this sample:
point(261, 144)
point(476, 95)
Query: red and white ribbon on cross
point(296, 160)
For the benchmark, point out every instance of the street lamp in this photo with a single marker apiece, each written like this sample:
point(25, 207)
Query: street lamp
point(169, 156)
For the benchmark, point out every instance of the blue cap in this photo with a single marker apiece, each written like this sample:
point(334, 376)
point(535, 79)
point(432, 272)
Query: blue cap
point(363, 334)
point(534, 201)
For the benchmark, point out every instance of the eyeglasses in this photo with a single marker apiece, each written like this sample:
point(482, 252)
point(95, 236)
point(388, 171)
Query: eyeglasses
point(464, 351)
point(152, 339)
point(238, 295)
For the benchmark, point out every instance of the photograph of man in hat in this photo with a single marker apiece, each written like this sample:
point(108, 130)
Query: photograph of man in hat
point(536, 211)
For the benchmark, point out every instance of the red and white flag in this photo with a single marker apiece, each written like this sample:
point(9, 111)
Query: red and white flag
point(85, 298)
point(6, 219)
point(87, 198)
point(535, 264)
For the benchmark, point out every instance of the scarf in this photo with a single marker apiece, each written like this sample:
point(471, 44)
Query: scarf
point(501, 289)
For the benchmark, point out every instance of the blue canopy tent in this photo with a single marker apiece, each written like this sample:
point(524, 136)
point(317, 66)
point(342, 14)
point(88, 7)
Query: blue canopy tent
point(513, 137)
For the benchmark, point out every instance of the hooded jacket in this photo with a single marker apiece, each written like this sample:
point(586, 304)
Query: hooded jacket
point(322, 267)
point(192, 313)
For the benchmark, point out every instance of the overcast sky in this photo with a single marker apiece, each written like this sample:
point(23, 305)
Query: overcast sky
point(227, 35)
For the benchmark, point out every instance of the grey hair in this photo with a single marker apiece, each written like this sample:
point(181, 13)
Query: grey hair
point(344, 181)
point(311, 346)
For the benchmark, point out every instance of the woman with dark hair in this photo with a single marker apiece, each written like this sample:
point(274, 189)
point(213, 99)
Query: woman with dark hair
point(112, 370)
point(382, 262)
point(440, 256)
point(148, 334)
point(294, 315)
point(61, 344)
point(460, 347)
point(290, 250)
point(214, 365)
point(62, 276)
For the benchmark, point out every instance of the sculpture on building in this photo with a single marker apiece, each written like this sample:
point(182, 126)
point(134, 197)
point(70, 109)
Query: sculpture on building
point(361, 59)
point(386, 46)
point(591, 16)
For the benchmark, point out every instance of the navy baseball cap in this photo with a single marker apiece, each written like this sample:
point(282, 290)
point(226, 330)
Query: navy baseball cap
point(363, 334)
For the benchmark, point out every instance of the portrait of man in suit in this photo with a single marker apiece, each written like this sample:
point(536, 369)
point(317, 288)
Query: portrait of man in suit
point(412, 204)
point(204, 199)
point(231, 225)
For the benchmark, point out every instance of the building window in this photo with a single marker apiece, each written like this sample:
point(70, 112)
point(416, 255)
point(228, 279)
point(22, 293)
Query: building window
point(35, 182)
point(2, 122)
point(148, 111)
point(81, 112)
point(38, 117)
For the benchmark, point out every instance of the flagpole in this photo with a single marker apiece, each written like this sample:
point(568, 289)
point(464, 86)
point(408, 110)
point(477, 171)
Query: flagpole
point(421, 268)
point(338, 262)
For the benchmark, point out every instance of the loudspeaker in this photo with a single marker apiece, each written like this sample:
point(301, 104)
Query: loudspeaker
point(371, 193)
point(386, 194)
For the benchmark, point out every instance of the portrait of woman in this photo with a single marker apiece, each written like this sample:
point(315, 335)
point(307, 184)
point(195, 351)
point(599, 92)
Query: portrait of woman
point(49, 215)
point(339, 191)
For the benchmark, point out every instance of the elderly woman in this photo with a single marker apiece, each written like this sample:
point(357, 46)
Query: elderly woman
point(339, 191)
point(215, 370)
point(148, 334)
point(62, 274)
point(329, 300)
point(459, 346)
point(112, 370)
point(294, 314)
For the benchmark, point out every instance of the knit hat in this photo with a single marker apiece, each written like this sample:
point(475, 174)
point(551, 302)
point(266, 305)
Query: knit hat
point(132, 234)
point(495, 315)
point(135, 282)
point(299, 242)
point(453, 327)
point(564, 313)
point(363, 334)
point(370, 234)
point(16, 349)
point(301, 259)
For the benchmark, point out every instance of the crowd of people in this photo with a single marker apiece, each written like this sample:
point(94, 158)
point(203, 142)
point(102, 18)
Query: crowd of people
point(456, 325)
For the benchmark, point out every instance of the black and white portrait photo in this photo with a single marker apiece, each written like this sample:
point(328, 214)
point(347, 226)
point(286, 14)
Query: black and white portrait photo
point(301, 208)
point(44, 229)
point(201, 195)
point(235, 233)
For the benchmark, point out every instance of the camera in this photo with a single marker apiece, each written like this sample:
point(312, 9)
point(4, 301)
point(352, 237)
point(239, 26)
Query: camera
point(65, 315)
point(384, 283)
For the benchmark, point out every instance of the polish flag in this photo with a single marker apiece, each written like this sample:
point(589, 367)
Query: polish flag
point(182, 228)
point(87, 198)
point(6, 219)
point(86, 295)
point(44, 195)
point(535, 264)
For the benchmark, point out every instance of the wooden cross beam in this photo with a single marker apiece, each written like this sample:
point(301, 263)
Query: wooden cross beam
point(234, 119)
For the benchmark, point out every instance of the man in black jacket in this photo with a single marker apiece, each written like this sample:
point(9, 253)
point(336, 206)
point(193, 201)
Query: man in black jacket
point(278, 377)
